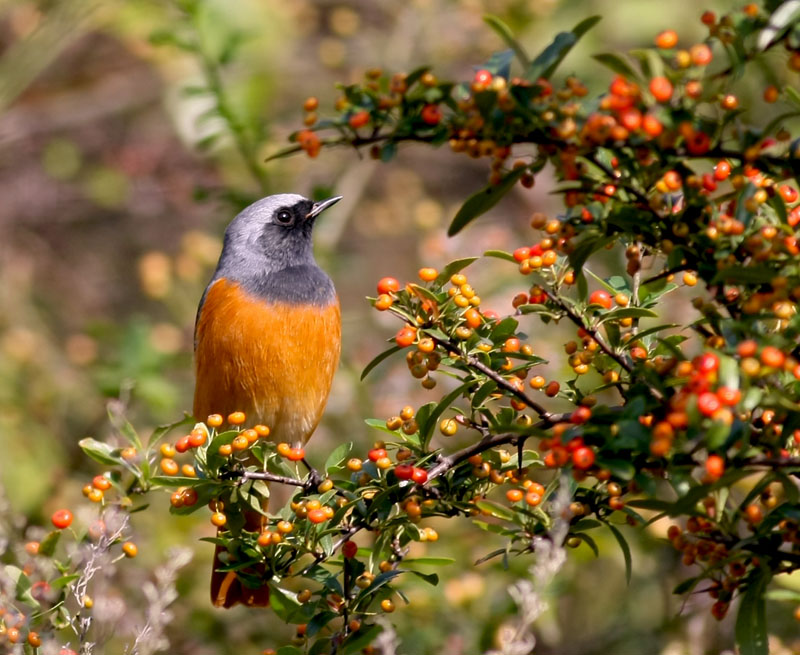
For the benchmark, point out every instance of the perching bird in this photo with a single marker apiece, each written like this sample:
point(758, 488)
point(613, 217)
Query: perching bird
point(267, 337)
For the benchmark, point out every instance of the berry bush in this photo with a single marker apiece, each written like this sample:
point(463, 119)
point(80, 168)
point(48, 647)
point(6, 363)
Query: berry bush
point(667, 181)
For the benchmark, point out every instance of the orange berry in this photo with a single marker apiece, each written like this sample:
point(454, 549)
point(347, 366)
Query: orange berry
point(219, 519)
point(61, 519)
point(168, 450)
point(359, 119)
point(214, 420)
point(34, 639)
point(383, 302)
point(101, 482)
point(285, 527)
point(197, 438)
point(661, 88)
point(236, 418)
point(771, 356)
point(251, 435)
point(240, 442)
point(514, 495)
point(771, 94)
point(130, 549)
point(296, 454)
point(225, 449)
point(667, 39)
point(428, 274)
point(701, 54)
point(405, 336)
point(317, 515)
point(169, 466)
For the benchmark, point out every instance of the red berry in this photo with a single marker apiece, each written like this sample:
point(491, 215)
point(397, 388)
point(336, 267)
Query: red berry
point(405, 336)
point(420, 476)
point(661, 88)
point(601, 297)
point(296, 454)
point(583, 458)
point(183, 444)
point(62, 518)
point(388, 285)
point(722, 171)
point(376, 453)
point(431, 114)
point(349, 549)
point(715, 467)
point(788, 193)
point(708, 403)
point(359, 119)
point(521, 254)
point(580, 415)
point(707, 363)
point(403, 471)
point(483, 77)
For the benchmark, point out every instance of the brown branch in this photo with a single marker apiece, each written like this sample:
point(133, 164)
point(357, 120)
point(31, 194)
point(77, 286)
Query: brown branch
point(577, 320)
point(474, 362)
point(270, 477)
point(446, 462)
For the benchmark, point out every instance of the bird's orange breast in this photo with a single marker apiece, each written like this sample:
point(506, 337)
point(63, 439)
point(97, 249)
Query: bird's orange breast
point(274, 361)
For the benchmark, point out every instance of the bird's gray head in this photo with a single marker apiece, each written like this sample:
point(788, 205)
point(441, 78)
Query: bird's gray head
point(270, 235)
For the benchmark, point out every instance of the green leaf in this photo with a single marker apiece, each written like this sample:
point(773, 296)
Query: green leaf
point(359, 640)
point(583, 250)
point(793, 94)
point(283, 603)
point(505, 33)
point(22, 585)
point(125, 428)
point(548, 60)
point(100, 452)
point(163, 430)
point(482, 201)
point(618, 64)
point(751, 621)
point(430, 561)
point(480, 396)
point(64, 580)
point(426, 427)
point(628, 312)
point(500, 254)
point(589, 541)
point(495, 509)
point(377, 360)
point(338, 456)
point(745, 274)
point(47, 546)
point(452, 268)
point(621, 468)
point(686, 585)
point(626, 551)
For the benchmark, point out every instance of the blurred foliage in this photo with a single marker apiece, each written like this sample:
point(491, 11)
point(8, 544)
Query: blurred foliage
point(114, 199)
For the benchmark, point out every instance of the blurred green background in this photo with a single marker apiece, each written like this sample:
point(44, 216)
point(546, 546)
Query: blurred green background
point(117, 182)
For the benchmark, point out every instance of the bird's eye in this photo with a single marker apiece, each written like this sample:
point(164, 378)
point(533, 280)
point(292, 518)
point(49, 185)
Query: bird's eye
point(283, 217)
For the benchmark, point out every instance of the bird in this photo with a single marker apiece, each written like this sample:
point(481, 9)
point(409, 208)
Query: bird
point(267, 338)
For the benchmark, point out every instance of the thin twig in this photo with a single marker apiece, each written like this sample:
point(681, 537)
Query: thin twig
point(474, 362)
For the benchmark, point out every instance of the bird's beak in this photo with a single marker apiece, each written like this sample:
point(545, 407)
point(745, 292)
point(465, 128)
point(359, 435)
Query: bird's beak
point(318, 207)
